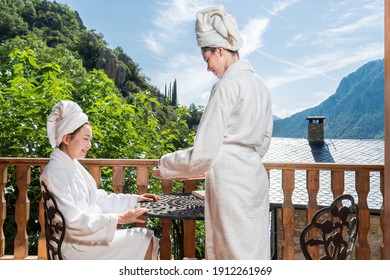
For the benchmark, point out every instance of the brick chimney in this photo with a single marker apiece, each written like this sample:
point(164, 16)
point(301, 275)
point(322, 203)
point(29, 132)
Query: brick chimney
point(315, 129)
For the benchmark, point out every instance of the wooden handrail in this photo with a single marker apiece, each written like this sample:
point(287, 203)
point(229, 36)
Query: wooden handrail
point(143, 166)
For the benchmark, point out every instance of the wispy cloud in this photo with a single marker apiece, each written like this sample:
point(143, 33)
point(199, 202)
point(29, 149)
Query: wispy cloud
point(252, 35)
point(365, 22)
point(169, 22)
point(172, 14)
point(322, 64)
point(193, 79)
point(281, 5)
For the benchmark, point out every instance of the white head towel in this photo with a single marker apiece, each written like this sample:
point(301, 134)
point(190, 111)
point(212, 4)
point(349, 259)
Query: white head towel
point(65, 118)
point(215, 28)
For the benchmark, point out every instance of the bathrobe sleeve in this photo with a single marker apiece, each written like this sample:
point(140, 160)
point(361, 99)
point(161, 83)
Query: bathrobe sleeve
point(81, 225)
point(209, 137)
point(262, 150)
point(115, 203)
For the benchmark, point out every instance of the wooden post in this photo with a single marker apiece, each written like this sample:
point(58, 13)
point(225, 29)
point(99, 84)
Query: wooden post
point(96, 174)
point(22, 211)
point(189, 226)
point(166, 242)
point(118, 178)
point(313, 186)
point(362, 188)
point(142, 182)
point(3, 206)
point(288, 179)
point(337, 178)
point(42, 250)
point(142, 179)
point(386, 198)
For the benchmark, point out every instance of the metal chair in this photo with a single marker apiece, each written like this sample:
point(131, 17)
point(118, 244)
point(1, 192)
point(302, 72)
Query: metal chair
point(54, 225)
point(332, 231)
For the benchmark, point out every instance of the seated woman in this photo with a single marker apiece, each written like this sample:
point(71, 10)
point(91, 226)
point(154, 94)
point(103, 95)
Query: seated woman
point(91, 214)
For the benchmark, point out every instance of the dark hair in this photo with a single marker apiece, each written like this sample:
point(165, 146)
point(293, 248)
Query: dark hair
point(213, 49)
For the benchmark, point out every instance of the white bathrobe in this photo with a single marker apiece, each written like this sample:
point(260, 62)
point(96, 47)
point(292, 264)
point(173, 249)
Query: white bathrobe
point(233, 135)
point(91, 214)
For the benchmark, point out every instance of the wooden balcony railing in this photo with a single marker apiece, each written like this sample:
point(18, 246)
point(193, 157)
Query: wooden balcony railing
point(23, 166)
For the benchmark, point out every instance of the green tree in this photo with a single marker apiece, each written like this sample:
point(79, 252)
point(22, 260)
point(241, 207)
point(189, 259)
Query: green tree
point(174, 94)
point(40, 66)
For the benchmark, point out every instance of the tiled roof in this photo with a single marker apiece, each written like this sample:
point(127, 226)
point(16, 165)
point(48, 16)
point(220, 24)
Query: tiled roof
point(333, 151)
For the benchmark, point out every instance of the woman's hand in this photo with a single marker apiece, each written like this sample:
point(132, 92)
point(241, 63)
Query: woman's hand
point(148, 197)
point(132, 216)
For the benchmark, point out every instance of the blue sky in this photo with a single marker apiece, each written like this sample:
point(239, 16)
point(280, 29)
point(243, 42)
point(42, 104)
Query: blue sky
point(301, 48)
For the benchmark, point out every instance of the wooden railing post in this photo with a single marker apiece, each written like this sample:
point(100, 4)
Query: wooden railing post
point(337, 183)
point(362, 188)
point(22, 211)
point(142, 179)
point(166, 242)
point(95, 172)
point(3, 206)
point(118, 178)
point(313, 186)
point(189, 226)
point(382, 216)
point(288, 179)
point(386, 191)
point(42, 252)
point(142, 182)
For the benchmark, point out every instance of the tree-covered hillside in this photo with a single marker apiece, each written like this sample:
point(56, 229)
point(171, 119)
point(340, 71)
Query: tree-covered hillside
point(57, 24)
point(355, 111)
point(47, 55)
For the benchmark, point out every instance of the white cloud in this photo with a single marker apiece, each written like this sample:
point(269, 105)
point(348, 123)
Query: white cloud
point(285, 112)
point(193, 80)
point(365, 22)
point(329, 49)
point(252, 35)
point(281, 5)
point(170, 21)
point(152, 43)
point(322, 64)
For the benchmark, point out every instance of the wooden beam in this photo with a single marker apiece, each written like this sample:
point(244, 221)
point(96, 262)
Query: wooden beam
point(386, 199)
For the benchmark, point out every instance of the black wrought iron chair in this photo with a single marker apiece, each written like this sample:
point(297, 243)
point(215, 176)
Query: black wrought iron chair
point(54, 225)
point(333, 231)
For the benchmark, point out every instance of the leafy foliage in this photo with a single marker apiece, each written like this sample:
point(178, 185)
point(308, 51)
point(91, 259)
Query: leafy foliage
point(42, 61)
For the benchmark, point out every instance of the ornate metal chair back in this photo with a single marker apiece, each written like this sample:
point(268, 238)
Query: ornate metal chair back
point(332, 233)
point(54, 225)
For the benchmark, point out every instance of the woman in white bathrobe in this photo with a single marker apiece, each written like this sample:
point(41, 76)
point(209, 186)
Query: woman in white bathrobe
point(91, 214)
point(233, 135)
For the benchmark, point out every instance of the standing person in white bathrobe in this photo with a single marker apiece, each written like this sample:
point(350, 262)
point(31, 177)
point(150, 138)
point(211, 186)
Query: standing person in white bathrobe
point(91, 214)
point(233, 135)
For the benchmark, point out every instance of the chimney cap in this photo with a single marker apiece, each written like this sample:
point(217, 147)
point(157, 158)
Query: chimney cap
point(315, 117)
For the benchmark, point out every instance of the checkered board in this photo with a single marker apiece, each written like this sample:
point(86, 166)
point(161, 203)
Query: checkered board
point(176, 207)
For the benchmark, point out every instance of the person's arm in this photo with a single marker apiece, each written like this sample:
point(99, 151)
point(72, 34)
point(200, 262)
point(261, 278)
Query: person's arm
point(267, 139)
point(80, 225)
point(208, 141)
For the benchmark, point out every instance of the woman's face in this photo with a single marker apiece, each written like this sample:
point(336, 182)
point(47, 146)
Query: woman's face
point(77, 145)
point(216, 61)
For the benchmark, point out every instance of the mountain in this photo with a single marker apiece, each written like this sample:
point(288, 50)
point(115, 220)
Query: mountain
point(354, 111)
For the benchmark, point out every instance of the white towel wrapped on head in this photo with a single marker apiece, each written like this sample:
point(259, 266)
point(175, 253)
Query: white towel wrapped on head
point(65, 118)
point(215, 28)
